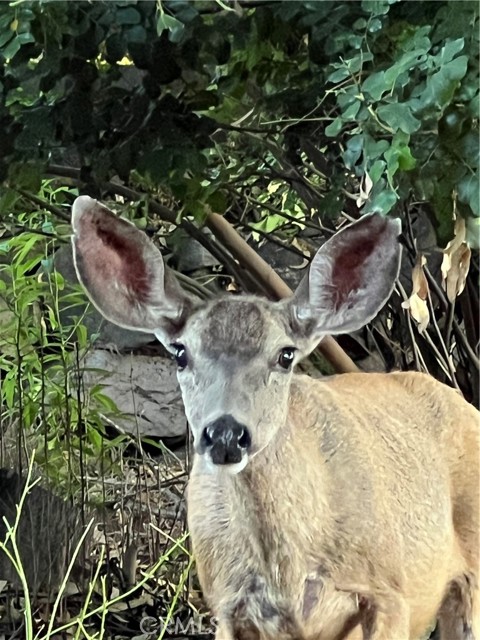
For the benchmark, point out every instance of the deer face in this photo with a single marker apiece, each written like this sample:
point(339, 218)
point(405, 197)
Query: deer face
point(235, 355)
point(235, 359)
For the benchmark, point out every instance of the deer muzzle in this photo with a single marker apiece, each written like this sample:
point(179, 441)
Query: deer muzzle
point(226, 441)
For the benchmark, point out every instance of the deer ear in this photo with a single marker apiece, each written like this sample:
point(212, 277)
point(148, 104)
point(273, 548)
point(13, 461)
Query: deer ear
point(350, 278)
point(123, 272)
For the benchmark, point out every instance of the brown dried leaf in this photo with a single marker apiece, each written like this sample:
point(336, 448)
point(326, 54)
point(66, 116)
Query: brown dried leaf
point(418, 310)
point(456, 262)
point(419, 280)
point(365, 189)
point(457, 274)
point(417, 303)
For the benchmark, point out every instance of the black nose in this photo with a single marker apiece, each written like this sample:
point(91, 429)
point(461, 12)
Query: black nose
point(226, 440)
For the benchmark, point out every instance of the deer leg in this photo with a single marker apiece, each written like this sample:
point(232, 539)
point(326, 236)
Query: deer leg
point(223, 631)
point(458, 618)
point(386, 619)
point(284, 629)
point(257, 615)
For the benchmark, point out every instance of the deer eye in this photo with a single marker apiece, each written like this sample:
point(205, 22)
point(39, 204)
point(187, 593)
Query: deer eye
point(286, 356)
point(180, 356)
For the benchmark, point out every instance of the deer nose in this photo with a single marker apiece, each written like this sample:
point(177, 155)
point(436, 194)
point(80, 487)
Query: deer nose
point(226, 440)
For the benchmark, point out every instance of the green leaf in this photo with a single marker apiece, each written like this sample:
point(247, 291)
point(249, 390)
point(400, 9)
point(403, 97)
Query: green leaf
point(346, 98)
point(391, 156)
point(334, 128)
point(374, 25)
point(375, 85)
point(128, 15)
point(5, 37)
point(382, 201)
point(376, 7)
point(165, 22)
point(409, 60)
point(136, 35)
point(399, 116)
point(374, 149)
point(217, 201)
point(95, 439)
point(185, 12)
point(469, 192)
point(442, 85)
point(338, 75)
point(456, 69)
point(359, 24)
point(350, 113)
point(14, 45)
point(377, 170)
point(406, 162)
point(353, 151)
point(450, 50)
point(473, 232)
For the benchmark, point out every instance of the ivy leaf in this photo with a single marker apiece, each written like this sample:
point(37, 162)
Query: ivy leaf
point(473, 233)
point(377, 7)
point(334, 128)
point(351, 111)
point(353, 151)
point(406, 161)
point(468, 192)
point(450, 50)
point(16, 43)
point(381, 201)
point(166, 22)
point(375, 85)
point(391, 156)
point(374, 149)
point(442, 85)
point(128, 15)
point(376, 170)
point(338, 75)
point(399, 116)
point(375, 25)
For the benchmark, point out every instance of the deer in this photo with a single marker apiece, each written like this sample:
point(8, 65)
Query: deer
point(319, 509)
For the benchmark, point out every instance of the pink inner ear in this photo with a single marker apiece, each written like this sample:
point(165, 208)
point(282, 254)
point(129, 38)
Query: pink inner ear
point(116, 256)
point(351, 257)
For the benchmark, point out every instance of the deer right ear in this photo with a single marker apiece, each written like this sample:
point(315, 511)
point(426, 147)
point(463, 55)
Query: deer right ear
point(123, 272)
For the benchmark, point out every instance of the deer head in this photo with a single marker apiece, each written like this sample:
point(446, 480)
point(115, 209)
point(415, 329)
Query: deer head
point(235, 355)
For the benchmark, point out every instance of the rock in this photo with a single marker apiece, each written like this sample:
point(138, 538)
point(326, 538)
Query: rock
point(145, 388)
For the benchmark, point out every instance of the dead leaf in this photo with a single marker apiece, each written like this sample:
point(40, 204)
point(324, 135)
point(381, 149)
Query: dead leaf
point(417, 303)
point(365, 189)
point(456, 262)
point(457, 274)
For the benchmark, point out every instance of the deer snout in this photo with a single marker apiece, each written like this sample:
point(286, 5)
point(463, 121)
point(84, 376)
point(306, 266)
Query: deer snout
point(226, 440)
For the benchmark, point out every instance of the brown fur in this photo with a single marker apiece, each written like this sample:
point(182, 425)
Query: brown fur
point(354, 511)
point(366, 502)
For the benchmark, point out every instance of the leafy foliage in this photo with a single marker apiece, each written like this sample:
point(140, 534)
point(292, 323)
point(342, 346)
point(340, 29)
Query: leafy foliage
point(42, 397)
point(324, 95)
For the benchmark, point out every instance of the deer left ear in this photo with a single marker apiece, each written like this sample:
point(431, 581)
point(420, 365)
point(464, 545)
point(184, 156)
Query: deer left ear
point(350, 278)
